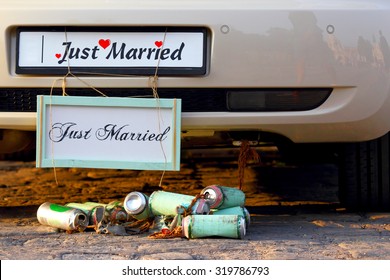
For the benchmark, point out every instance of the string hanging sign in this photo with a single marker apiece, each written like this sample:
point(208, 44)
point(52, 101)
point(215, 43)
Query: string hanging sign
point(98, 132)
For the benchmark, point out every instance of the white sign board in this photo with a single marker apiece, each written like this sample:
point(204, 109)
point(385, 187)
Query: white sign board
point(101, 132)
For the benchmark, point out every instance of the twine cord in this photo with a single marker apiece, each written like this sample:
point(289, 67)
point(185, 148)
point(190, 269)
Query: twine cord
point(154, 86)
point(51, 125)
point(153, 83)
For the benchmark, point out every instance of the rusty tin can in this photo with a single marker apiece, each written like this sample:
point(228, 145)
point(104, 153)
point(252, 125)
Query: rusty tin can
point(220, 197)
point(238, 210)
point(62, 217)
point(137, 205)
point(199, 226)
point(95, 213)
point(169, 204)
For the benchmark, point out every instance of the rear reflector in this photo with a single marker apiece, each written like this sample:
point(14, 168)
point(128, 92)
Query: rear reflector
point(268, 100)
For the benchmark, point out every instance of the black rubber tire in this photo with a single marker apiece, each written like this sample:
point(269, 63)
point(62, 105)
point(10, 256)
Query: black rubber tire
point(364, 179)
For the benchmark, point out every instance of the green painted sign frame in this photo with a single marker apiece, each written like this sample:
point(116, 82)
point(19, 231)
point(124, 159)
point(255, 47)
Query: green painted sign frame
point(58, 135)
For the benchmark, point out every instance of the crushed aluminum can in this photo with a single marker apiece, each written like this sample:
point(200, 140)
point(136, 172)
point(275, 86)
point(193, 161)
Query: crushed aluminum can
point(62, 217)
point(199, 226)
point(169, 204)
point(159, 223)
point(115, 212)
point(238, 210)
point(95, 213)
point(136, 204)
point(201, 207)
point(175, 222)
point(220, 197)
point(118, 214)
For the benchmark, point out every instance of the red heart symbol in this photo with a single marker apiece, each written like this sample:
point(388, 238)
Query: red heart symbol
point(58, 55)
point(158, 44)
point(104, 43)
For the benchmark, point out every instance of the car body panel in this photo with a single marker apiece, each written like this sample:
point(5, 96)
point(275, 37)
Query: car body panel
point(252, 44)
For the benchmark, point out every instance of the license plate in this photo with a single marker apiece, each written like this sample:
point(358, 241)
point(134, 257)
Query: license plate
point(175, 51)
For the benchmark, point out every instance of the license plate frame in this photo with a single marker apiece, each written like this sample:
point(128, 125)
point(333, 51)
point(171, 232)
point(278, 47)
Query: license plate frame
point(111, 50)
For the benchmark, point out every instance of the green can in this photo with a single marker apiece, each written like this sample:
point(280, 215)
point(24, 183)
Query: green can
point(170, 204)
point(95, 213)
point(114, 211)
point(136, 204)
point(238, 210)
point(199, 226)
point(220, 197)
point(62, 217)
point(108, 206)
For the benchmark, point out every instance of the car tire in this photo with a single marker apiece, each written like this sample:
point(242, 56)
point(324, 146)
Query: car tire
point(364, 175)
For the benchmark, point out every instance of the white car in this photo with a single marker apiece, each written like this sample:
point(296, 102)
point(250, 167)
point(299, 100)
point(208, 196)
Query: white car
point(296, 73)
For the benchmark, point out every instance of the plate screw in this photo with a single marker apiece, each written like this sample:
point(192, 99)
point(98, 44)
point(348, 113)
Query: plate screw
point(330, 29)
point(225, 29)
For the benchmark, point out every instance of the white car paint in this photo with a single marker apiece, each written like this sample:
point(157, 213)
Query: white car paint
point(252, 44)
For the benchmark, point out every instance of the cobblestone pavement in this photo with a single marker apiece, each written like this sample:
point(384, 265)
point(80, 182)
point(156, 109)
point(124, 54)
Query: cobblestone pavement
point(294, 214)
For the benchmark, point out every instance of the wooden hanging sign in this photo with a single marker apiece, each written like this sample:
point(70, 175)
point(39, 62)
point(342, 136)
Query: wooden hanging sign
point(106, 132)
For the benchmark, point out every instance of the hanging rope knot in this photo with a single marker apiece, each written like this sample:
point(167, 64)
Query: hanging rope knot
point(153, 83)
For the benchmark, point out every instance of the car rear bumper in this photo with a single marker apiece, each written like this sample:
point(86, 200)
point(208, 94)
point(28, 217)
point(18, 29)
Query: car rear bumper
point(249, 46)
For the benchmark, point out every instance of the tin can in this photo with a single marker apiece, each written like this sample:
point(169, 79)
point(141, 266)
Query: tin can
point(238, 210)
point(95, 213)
point(169, 204)
point(201, 207)
point(223, 197)
point(108, 206)
point(137, 205)
point(198, 226)
point(62, 217)
point(114, 211)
